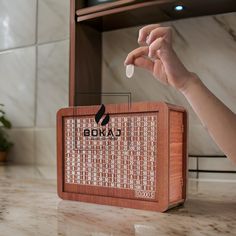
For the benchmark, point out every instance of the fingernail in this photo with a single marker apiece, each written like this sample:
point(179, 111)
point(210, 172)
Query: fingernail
point(126, 62)
point(140, 42)
point(148, 39)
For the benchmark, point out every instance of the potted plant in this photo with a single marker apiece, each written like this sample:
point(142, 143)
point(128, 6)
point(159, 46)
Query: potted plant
point(5, 144)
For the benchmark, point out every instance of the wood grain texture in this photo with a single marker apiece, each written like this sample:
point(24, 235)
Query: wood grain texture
point(88, 70)
point(116, 16)
point(102, 7)
point(85, 62)
point(115, 9)
point(169, 192)
point(176, 156)
point(72, 54)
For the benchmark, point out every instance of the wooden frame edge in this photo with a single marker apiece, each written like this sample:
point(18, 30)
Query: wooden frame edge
point(72, 53)
point(163, 204)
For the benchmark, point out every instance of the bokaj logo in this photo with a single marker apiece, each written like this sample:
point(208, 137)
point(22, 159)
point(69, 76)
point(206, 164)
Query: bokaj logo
point(100, 114)
point(102, 132)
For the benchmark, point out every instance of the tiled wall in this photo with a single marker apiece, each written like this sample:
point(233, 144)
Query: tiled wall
point(211, 168)
point(34, 43)
point(34, 56)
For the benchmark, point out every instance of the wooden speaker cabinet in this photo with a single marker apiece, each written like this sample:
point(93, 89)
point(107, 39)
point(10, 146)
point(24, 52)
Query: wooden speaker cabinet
point(123, 155)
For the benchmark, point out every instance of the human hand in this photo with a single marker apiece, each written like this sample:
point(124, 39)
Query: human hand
point(157, 55)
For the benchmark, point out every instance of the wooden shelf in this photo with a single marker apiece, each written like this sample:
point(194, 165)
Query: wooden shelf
point(120, 8)
point(103, 7)
point(126, 15)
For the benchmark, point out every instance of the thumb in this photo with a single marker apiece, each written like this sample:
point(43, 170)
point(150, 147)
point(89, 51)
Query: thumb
point(144, 63)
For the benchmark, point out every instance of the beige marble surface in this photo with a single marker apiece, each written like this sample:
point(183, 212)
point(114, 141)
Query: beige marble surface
point(29, 206)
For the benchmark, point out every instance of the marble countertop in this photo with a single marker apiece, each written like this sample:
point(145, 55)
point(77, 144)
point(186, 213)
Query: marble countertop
point(29, 206)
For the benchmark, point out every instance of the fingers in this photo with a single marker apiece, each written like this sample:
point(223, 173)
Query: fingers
point(138, 52)
point(145, 31)
point(138, 57)
point(155, 36)
point(144, 63)
point(156, 45)
point(160, 32)
point(150, 32)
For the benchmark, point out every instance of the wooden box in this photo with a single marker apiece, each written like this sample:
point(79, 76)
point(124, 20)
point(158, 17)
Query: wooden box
point(123, 155)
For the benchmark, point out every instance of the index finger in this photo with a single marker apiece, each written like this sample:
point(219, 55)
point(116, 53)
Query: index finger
point(138, 52)
point(145, 31)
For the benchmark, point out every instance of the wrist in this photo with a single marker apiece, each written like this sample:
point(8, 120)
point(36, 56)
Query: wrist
point(192, 81)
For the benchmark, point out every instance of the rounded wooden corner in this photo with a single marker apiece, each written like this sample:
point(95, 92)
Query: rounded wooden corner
point(176, 204)
point(163, 207)
point(60, 194)
point(165, 106)
point(61, 112)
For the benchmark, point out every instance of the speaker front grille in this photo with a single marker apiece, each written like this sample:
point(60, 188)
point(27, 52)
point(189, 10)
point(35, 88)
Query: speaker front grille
point(120, 155)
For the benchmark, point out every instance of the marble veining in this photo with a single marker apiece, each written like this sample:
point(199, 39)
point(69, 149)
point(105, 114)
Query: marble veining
point(53, 20)
point(17, 85)
point(45, 147)
point(24, 145)
point(206, 45)
point(53, 75)
point(29, 206)
point(34, 31)
point(17, 23)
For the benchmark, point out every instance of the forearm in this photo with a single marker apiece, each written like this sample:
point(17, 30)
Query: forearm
point(218, 119)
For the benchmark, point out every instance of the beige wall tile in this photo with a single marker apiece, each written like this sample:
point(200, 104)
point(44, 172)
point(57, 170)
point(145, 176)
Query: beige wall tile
point(192, 163)
point(17, 85)
point(212, 163)
point(53, 82)
point(53, 20)
point(23, 150)
point(45, 147)
point(17, 23)
point(218, 176)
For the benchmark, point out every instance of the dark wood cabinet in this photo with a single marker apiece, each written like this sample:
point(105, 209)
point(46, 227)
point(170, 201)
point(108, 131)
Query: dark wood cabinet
point(88, 24)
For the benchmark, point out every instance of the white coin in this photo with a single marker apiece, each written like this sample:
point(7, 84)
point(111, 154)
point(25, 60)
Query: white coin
point(129, 70)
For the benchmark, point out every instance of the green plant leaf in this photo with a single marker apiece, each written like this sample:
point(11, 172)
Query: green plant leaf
point(5, 145)
point(5, 122)
point(3, 112)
